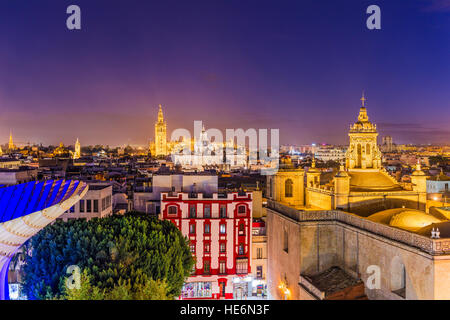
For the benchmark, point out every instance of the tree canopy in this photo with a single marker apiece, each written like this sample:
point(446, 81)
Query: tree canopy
point(134, 253)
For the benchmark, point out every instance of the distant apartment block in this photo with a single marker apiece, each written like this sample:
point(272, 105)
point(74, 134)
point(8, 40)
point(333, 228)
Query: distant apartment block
point(147, 198)
point(10, 177)
point(97, 203)
point(6, 163)
point(333, 154)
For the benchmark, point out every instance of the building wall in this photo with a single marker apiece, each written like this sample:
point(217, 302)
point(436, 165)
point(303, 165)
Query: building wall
point(316, 246)
point(257, 204)
point(105, 207)
point(16, 176)
point(319, 198)
point(283, 267)
point(438, 186)
point(259, 243)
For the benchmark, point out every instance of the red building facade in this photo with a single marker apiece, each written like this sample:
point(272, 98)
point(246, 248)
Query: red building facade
point(219, 229)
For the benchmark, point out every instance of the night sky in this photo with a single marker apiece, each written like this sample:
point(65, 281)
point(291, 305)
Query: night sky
point(296, 65)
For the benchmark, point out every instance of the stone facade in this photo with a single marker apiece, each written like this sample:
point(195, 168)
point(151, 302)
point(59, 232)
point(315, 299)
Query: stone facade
point(411, 266)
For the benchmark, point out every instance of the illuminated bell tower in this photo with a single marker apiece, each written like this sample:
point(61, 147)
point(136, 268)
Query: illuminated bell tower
point(77, 153)
point(11, 145)
point(160, 135)
point(363, 152)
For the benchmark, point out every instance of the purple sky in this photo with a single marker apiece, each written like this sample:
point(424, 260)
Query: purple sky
point(299, 66)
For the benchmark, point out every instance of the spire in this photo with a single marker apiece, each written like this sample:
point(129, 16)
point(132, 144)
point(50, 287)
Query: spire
point(418, 167)
point(313, 164)
point(160, 114)
point(11, 143)
point(363, 100)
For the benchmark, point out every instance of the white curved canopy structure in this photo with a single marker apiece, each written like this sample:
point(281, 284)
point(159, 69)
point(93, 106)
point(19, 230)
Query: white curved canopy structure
point(27, 208)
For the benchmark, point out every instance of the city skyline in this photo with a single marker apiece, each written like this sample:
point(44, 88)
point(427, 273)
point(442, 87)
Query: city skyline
point(232, 65)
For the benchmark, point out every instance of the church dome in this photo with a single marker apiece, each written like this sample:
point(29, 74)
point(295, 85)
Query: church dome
point(404, 218)
point(363, 181)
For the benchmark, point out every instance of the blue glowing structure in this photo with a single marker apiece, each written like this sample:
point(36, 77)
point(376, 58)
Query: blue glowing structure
point(27, 208)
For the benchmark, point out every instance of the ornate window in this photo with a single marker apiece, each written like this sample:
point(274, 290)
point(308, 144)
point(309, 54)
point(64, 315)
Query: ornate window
point(242, 209)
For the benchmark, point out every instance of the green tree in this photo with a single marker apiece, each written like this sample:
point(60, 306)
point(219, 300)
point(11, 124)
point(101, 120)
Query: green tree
point(123, 256)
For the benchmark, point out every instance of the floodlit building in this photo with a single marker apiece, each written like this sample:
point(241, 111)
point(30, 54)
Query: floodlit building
point(219, 228)
point(202, 152)
point(363, 186)
point(356, 233)
point(27, 208)
point(8, 163)
point(330, 154)
point(386, 144)
point(77, 152)
point(160, 135)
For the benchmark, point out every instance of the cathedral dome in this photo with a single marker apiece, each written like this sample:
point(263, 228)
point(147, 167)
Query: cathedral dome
point(404, 218)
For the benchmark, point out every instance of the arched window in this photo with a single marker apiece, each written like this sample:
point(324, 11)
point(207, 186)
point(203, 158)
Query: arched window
point(173, 210)
point(368, 149)
point(288, 188)
point(242, 209)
